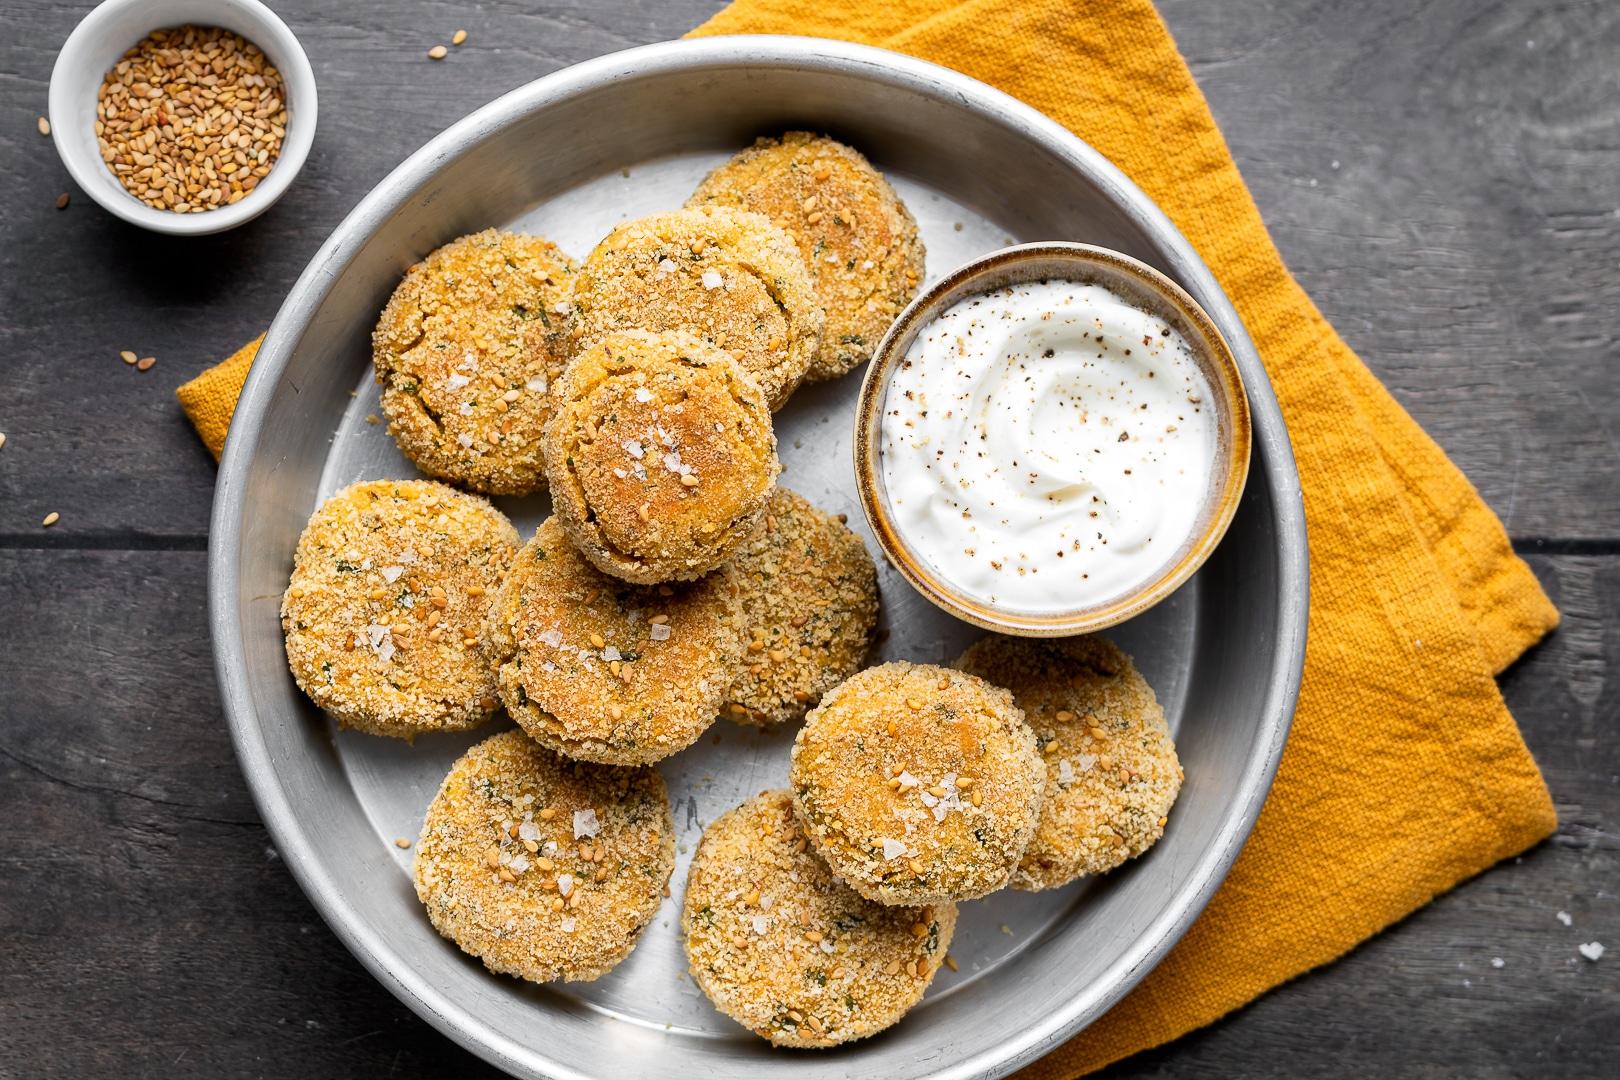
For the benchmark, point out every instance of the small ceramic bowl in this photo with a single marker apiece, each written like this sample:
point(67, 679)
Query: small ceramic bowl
point(1142, 287)
point(109, 31)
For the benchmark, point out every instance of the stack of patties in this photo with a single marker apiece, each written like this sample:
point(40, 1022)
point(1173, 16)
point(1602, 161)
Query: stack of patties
point(674, 581)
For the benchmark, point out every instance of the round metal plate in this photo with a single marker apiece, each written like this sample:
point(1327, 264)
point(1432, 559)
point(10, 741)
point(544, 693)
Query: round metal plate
point(567, 156)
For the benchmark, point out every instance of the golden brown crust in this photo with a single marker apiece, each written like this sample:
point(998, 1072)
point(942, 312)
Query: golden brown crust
point(809, 602)
point(856, 236)
point(918, 784)
point(785, 949)
point(661, 455)
point(1111, 768)
point(730, 278)
point(391, 581)
point(502, 869)
point(604, 671)
point(466, 350)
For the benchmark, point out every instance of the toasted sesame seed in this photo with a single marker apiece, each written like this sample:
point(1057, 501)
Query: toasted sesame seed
point(616, 711)
point(1051, 747)
point(823, 172)
point(51, 519)
point(950, 962)
point(964, 782)
point(62, 201)
point(44, 126)
point(145, 363)
point(913, 703)
point(911, 968)
point(893, 968)
point(800, 620)
point(644, 511)
point(978, 798)
point(814, 935)
point(740, 942)
point(665, 590)
point(1163, 821)
point(658, 620)
point(511, 396)
point(803, 843)
point(770, 523)
point(751, 897)
point(438, 52)
point(916, 867)
point(801, 696)
point(401, 842)
point(805, 650)
point(475, 590)
point(493, 857)
point(556, 903)
point(918, 930)
point(460, 36)
point(507, 875)
point(598, 641)
point(548, 813)
point(689, 480)
point(777, 656)
point(891, 727)
point(1106, 762)
point(1064, 716)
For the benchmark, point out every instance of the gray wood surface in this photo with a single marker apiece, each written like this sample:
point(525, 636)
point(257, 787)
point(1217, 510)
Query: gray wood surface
point(1467, 244)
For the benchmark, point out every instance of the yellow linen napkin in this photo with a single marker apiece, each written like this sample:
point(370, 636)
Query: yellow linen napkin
point(1404, 773)
point(210, 399)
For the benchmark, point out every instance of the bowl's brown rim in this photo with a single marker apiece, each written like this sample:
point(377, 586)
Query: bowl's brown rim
point(1150, 290)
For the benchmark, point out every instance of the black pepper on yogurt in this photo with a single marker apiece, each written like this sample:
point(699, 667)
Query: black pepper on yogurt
point(1047, 446)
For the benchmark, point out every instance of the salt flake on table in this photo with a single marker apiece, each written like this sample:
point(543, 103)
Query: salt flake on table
point(456, 382)
point(537, 384)
point(565, 884)
point(391, 573)
point(552, 637)
point(712, 280)
point(520, 863)
point(660, 632)
point(1563, 917)
point(1592, 950)
point(585, 824)
point(465, 440)
point(1065, 771)
point(610, 653)
point(643, 395)
point(893, 849)
point(760, 923)
point(634, 449)
point(568, 924)
point(529, 831)
point(668, 266)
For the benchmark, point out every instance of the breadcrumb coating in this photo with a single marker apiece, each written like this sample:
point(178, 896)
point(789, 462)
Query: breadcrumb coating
point(728, 277)
point(809, 602)
point(786, 949)
point(1111, 768)
point(918, 784)
point(391, 581)
point(857, 238)
point(601, 670)
point(541, 867)
point(466, 351)
point(661, 455)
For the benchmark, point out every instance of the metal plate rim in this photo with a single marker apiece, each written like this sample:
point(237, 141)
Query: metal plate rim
point(289, 832)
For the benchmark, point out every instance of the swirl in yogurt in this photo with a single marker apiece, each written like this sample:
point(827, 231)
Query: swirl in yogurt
point(1047, 446)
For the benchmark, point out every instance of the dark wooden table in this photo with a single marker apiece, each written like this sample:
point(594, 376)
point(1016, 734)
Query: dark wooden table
point(1445, 180)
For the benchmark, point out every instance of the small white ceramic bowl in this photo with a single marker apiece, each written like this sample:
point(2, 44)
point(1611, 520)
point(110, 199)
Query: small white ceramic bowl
point(109, 31)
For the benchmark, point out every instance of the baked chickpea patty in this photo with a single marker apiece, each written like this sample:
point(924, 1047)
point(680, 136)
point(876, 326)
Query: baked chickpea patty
point(809, 602)
point(728, 277)
point(542, 867)
point(787, 951)
point(466, 350)
point(857, 238)
point(918, 784)
point(1111, 768)
point(391, 582)
point(606, 671)
point(661, 455)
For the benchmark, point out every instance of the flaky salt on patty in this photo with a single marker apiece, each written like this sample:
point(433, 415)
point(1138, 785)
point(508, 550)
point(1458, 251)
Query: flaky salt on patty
point(809, 601)
point(1111, 768)
point(542, 867)
point(783, 947)
point(918, 784)
point(605, 671)
point(661, 455)
point(857, 238)
point(728, 277)
point(391, 582)
point(467, 350)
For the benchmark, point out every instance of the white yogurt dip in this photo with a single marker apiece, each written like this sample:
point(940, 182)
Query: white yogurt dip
point(1047, 446)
